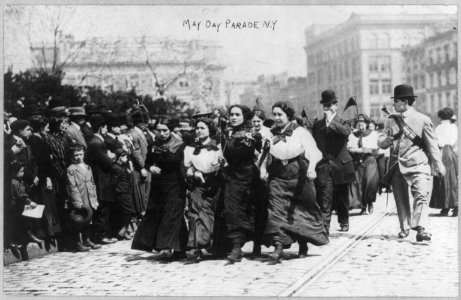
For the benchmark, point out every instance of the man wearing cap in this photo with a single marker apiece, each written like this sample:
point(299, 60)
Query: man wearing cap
point(412, 136)
point(101, 165)
point(336, 170)
point(77, 117)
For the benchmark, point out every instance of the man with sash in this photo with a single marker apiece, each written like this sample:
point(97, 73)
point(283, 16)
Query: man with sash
point(415, 148)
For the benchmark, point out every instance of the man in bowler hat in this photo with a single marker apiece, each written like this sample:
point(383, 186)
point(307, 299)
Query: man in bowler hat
point(336, 170)
point(417, 157)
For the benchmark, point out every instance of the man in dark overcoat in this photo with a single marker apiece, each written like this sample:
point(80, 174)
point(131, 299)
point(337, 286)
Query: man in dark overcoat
point(336, 170)
point(101, 164)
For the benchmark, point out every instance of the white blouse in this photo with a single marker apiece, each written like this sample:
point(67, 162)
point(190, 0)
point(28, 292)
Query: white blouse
point(301, 141)
point(370, 141)
point(206, 161)
point(446, 133)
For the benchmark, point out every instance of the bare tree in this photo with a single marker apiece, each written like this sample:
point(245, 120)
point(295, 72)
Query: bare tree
point(184, 58)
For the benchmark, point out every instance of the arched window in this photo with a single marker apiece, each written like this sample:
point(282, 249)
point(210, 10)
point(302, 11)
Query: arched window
point(452, 75)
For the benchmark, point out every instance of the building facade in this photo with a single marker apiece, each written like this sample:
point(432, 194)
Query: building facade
point(363, 57)
point(189, 70)
point(431, 67)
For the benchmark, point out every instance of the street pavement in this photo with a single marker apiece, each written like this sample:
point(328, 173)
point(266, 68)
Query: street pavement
point(384, 265)
point(116, 270)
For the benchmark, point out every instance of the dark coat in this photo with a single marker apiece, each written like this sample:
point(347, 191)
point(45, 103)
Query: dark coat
point(332, 141)
point(101, 165)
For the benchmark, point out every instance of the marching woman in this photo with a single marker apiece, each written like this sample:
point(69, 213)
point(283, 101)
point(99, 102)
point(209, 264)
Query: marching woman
point(363, 146)
point(238, 204)
point(445, 189)
point(294, 215)
point(202, 160)
point(257, 119)
point(163, 228)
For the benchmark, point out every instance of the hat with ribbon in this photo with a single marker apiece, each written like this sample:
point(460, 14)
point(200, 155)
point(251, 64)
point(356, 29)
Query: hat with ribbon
point(80, 217)
point(329, 97)
point(403, 91)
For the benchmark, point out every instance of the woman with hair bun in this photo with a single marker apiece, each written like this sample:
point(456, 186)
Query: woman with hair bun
point(294, 215)
point(162, 227)
point(202, 160)
point(445, 189)
point(239, 146)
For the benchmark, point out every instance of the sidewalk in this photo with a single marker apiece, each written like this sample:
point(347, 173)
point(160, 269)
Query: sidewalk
point(116, 270)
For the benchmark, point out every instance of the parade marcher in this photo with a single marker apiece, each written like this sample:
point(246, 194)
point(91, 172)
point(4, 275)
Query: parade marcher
point(363, 146)
point(45, 193)
point(77, 119)
point(82, 196)
point(257, 119)
point(336, 170)
point(101, 164)
point(163, 227)
point(412, 136)
point(294, 215)
point(242, 174)
point(445, 189)
point(202, 160)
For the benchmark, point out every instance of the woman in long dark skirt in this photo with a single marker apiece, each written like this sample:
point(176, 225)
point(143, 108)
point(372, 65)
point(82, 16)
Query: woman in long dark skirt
point(294, 215)
point(163, 227)
point(445, 189)
point(242, 174)
point(363, 146)
point(203, 160)
point(45, 193)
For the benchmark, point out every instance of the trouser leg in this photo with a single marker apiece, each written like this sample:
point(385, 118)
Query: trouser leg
point(324, 191)
point(340, 197)
point(402, 200)
point(421, 188)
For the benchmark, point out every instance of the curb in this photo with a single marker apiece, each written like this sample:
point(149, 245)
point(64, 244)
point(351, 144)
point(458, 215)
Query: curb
point(332, 258)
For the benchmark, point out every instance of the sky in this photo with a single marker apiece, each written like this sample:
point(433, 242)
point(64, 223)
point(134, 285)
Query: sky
point(273, 47)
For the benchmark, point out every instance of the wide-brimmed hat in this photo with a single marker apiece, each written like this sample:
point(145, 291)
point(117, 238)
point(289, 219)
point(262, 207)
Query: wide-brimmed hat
point(362, 118)
point(403, 91)
point(77, 111)
point(329, 97)
point(18, 125)
point(81, 217)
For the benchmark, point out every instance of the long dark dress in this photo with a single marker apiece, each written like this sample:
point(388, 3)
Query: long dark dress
point(203, 197)
point(294, 214)
point(445, 189)
point(242, 175)
point(363, 190)
point(163, 225)
point(50, 220)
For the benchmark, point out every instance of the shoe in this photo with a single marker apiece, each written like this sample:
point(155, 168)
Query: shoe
point(302, 253)
point(33, 238)
point(80, 248)
point(106, 241)
point(444, 211)
point(423, 236)
point(277, 255)
point(344, 228)
point(165, 254)
point(194, 254)
point(370, 208)
point(455, 212)
point(364, 210)
point(404, 233)
point(89, 243)
point(235, 255)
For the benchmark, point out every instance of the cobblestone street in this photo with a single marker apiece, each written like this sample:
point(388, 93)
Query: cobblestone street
point(379, 265)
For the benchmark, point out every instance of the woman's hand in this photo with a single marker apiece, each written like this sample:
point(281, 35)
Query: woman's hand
point(33, 204)
point(49, 184)
point(155, 170)
point(311, 174)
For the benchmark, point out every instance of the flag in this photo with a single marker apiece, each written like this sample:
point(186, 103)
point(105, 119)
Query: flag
point(350, 102)
point(303, 113)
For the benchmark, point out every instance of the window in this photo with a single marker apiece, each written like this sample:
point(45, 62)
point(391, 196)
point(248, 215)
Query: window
point(329, 74)
point(446, 50)
point(355, 66)
point(443, 78)
point(416, 82)
point(441, 104)
point(431, 58)
point(435, 80)
point(374, 87)
point(340, 71)
point(439, 55)
point(452, 76)
point(432, 104)
point(449, 102)
point(373, 64)
point(335, 70)
point(423, 81)
point(386, 86)
point(346, 68)
point(385, 63)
